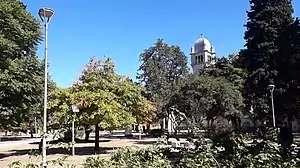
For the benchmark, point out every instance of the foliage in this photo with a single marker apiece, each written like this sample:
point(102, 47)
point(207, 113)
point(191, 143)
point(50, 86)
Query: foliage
point(128, 157)
point(289, 77)
point(238, 151)
point(107, 98)
point(227, 68)
point(144, 111)
point(207, 98)
point(21, 95)
point(231, 151)
point(266, 22)
point(203, 157)
point(59, 163)
point(19, 32)
point(95, 94)
point(21, 73)
point(234, 151)
point(97, 162)
point(162, 66)
point(60, 114)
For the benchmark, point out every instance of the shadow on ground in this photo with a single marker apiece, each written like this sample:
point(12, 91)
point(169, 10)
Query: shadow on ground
point(79, 141)
point(53, 151)
point(148, 142)
point(11, 138)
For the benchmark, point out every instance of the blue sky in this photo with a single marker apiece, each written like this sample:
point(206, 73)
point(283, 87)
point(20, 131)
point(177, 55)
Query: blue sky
point(123, 29)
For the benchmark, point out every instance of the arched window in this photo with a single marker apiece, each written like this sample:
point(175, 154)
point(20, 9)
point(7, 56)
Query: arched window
point(201, 58)
point(197, 59)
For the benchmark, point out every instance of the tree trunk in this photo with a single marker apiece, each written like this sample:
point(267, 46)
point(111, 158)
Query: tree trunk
point(175, 132)
point(31, 130)
point(97, 136)
point(211, 123)
point(234, 123)
point(31, 133)
point(148, 128)
point(87, 133)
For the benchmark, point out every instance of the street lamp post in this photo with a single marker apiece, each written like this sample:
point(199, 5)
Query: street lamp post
point(272, 100)
point(75, 109)
point(45, 15)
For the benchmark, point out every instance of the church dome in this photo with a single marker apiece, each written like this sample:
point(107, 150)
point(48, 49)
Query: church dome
point(202, 44)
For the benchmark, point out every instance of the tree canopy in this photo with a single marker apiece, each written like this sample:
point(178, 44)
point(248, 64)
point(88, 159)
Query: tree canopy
point(227, 69)
point(207, 98)
point(21, 72)
point(162, 67)
point(267, 20)
point(20, 32)
point(105, 99)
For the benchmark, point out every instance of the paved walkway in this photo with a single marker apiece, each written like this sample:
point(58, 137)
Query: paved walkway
point(5, 144)
point(20, 142)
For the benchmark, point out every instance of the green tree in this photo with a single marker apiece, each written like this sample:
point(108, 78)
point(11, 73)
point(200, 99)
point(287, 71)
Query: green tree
point(162, 67)
point(266, 22)
point(132, 100)
point(93, 94)
point(144, 111)
point(21, 86)
point(106, 99)
point(20, 32)
point(21, 73)
point(289, 72)
point(207, 98)
point(59, 109)
point(226, 68)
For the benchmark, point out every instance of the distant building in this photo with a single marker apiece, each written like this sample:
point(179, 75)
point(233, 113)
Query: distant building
point(202, 54)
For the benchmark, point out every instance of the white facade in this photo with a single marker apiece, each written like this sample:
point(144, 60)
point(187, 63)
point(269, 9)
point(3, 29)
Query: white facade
point(202, 54)
point(172, 123)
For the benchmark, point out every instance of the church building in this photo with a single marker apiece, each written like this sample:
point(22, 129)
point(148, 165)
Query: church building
point(202, 54)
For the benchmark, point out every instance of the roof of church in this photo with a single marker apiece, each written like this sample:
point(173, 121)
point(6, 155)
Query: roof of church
point(203, 44)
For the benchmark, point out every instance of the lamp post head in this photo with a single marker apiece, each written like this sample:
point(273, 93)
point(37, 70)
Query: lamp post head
point(271, 87)
point(46, 14)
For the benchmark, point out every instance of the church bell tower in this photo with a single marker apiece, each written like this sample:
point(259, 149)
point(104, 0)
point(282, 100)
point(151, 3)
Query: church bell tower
point(202, 54)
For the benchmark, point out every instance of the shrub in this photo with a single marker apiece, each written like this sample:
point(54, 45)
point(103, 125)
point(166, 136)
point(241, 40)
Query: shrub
point(239, 151)
point(130, 157)
point(97, 162)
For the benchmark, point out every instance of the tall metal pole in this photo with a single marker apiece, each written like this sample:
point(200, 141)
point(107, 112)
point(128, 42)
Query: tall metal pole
point(140, 133)
point(45, 15)
point(35, 126)
point(45, 97)
point(73, 135)
point(273, 111)
point(75, 109)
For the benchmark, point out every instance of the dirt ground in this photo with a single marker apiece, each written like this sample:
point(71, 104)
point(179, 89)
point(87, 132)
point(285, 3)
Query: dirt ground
point(83, 150)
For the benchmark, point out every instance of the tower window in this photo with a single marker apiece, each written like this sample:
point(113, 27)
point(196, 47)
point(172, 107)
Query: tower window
point(197, 59)
point(201, 58)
